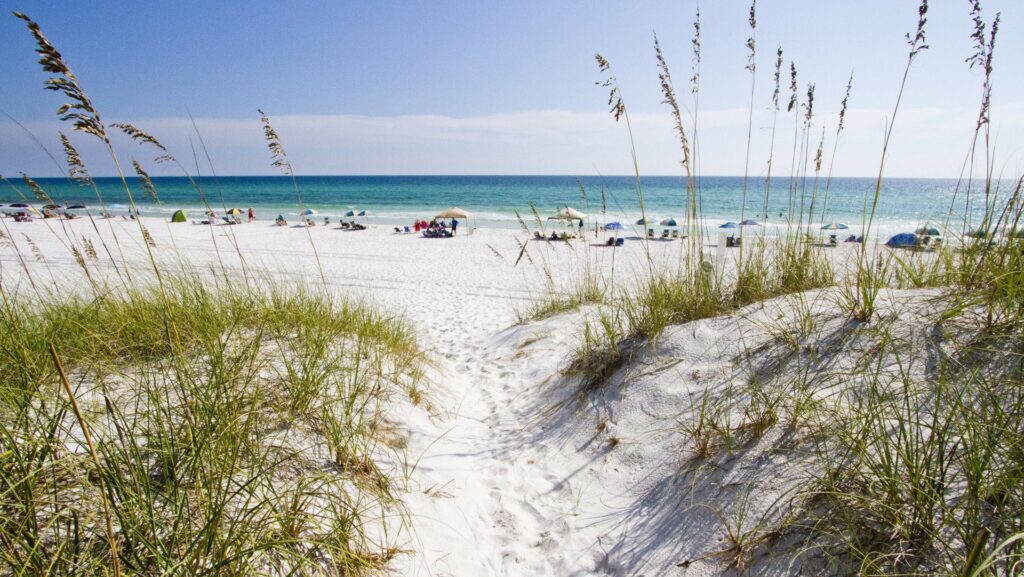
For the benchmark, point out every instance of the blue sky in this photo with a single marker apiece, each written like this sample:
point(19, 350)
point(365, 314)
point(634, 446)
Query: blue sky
point(497, 87)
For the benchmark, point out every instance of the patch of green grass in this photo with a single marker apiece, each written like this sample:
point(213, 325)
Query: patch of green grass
point(242, 438)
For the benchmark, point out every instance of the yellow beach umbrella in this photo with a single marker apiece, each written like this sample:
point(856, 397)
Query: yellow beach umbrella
point(452, 212)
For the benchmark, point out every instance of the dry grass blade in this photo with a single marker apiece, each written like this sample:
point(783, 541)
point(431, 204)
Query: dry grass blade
point(139, 135)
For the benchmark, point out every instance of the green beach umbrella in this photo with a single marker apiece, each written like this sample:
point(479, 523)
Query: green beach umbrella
point(928, 231)
point(668, 222)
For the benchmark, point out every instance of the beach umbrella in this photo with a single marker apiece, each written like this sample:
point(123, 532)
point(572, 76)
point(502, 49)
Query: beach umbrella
point(928, 231)
point(668, 222)
point(310, 212)
point(76, 207)
point(730, 224)
point(19, 205)
point(750, 222)
point(644, 221)
point(234, 211)
point(613, 226)
point(904, 239)
point(980, 233)
point(452, 212)
point(350, 213)
point(52, 207)
point(567, 213)
point(835, 226)
point(362, 213)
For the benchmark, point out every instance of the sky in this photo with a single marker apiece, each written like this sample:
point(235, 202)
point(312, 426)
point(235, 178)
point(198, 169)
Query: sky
point(481, 87)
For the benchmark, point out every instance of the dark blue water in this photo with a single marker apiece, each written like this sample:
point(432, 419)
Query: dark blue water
point(493, 200)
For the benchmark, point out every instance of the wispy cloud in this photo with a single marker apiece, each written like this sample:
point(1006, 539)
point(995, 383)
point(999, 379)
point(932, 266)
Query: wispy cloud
point(927, 142)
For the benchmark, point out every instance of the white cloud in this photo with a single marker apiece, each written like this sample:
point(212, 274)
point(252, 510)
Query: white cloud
point(926, 142)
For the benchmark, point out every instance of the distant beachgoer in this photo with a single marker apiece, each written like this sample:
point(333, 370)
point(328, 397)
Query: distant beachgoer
point(416, 225)
point(455, 225)
point(252, 215)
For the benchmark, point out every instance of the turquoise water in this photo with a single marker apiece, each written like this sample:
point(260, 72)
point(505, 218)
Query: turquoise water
point(493, 200)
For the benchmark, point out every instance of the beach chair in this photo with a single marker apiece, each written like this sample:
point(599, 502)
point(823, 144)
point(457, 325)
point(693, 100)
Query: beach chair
point(538, 235)
point(833, 240)
point(397, 230)
point(675, 234)
point(664, 234)
point(620, 241)
point(937, 243)
point(650, 233)
point(407, 230)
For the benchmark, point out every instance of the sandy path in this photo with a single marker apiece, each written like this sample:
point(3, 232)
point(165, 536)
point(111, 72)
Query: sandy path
point(499, 486)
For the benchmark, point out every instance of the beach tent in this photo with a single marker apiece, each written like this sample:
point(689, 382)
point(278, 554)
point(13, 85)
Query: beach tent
point(350, 213)
point(928, 231)
point(668, 222)
point(452, 212)
point(362, 213)
point(835, 226)
point(902, 240)
point(179, 216)
point(730, 224)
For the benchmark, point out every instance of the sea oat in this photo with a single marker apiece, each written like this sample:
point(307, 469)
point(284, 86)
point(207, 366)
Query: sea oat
point(76, 168)
point(669, 94)
point(80, 111)
point(147, 183)
point(277, 153)
point(618, 108)
point(148, 237)
point(37, 190)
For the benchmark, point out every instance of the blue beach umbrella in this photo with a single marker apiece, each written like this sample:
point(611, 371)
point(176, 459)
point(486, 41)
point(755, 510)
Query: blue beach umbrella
point(614, 226)
point(730, 224)
point(835, 226)
point(668, 222)
point(310, 212)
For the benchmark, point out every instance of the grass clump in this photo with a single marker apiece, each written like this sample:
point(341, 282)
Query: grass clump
point(244, 441)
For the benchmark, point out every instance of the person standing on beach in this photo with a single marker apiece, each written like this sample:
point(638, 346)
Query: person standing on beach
point(455, 225)
point(252, 215)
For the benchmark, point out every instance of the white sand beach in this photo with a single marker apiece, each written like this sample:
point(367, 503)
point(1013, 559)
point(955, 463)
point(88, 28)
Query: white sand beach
point(508, 470)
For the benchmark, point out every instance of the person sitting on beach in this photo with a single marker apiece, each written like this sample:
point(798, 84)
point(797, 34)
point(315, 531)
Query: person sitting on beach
point(280, 221)
point(554, 236)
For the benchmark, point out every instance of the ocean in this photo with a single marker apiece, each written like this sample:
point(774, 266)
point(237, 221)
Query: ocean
point(904, 204)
